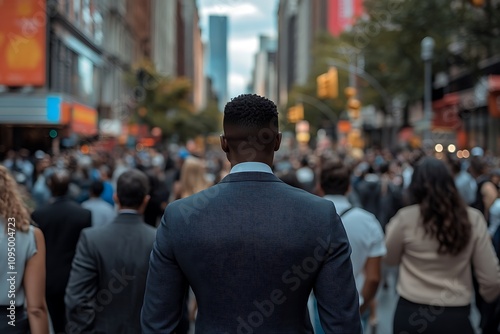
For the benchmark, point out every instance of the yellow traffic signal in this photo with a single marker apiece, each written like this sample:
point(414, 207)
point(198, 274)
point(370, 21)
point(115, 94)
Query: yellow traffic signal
point(350, 92)
point(295, 113)
point(328, 84)
point(354, 107)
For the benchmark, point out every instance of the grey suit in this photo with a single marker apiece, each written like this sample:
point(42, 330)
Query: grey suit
point(252, 248)
point(108, 276)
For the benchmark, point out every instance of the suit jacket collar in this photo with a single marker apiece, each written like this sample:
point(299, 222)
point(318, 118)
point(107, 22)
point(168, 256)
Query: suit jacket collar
point(128, 218)
point(250, 176)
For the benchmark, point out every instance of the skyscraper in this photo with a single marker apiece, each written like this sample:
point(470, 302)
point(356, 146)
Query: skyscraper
point(217, 62)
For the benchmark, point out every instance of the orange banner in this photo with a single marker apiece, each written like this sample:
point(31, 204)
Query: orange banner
point(23, 42)
point(84, 120)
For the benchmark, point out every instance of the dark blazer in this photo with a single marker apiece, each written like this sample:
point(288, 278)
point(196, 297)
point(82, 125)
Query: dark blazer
point(108, 277)
point(252, 248)
point(61, 223)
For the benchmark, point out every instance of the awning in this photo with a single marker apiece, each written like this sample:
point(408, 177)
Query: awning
point(50, 110)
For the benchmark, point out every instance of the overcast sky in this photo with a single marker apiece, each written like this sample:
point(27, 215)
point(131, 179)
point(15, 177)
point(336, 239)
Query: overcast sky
point(247, 20)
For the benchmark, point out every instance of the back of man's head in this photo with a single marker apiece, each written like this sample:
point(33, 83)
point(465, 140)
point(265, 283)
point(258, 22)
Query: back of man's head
point(335, 178)
point(58, 183)
point(96, 188)
point(132, 188)
point(251, 120)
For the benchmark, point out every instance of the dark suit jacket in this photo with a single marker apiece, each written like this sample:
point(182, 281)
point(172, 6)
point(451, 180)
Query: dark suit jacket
point(252, 248)
point(106, 287)
point(61, 223)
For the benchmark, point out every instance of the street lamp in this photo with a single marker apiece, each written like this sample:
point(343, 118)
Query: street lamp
point(427, 46)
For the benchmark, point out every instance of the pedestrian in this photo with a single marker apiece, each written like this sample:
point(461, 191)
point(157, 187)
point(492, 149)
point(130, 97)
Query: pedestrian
point(21, 294)
point(61, 222)
point(436, 242)
point(102, 211)
point(363, 230)
point(251, 247)
point(108, 276)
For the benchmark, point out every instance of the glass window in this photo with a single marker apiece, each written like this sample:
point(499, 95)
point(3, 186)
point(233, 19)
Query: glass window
point(98, 34)
point(86, 73)
point(77, 10)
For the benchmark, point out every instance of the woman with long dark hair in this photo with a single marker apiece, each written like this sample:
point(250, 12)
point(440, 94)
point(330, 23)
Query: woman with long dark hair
point(435, 241)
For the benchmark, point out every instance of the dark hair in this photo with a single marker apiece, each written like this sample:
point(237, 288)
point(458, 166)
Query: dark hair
point(444, 213)
point(96, 188)
point(251, 111)
point(454, 164)
point(290, 178)
point(59, 183)
point(131, 188)
point(335, 178)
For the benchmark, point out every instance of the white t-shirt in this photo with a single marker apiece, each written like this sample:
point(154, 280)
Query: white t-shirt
point(365, 236)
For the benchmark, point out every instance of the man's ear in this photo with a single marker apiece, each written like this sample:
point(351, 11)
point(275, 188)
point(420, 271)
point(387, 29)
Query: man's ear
point(278, 141)
point(115, 199)
point(223, 143)
point(146, 200)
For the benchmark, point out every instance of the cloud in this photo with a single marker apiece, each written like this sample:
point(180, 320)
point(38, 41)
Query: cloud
point(236, 10)
point(241, 60)
point(237, 84)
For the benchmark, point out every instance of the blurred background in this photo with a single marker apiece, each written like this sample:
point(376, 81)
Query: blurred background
point(352, 74)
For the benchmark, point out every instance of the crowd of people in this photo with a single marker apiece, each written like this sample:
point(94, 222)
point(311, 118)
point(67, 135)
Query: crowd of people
point(86, 225)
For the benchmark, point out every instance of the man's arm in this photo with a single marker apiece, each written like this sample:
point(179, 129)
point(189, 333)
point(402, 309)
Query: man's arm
point(166, 286)
point(372, 280)
point(81, 289)
point(372, 266)
point(335, 289)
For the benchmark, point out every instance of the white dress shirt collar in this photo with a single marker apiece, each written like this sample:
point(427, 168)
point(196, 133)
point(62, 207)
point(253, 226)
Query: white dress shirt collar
point(251, 167)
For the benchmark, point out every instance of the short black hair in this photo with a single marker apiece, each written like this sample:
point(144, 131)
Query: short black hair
point(335, 178)
point(59, 183)
point(97, 188)
point(131, 188)
point(251, 111)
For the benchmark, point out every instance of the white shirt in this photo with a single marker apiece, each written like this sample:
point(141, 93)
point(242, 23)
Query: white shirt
point(251, 167)
point(102, 212)
point(365, 236)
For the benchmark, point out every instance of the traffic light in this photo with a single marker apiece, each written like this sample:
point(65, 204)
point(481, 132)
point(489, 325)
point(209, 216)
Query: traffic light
point(295, 113)
point(53, 134)
point(328, 84)
point(354, 107)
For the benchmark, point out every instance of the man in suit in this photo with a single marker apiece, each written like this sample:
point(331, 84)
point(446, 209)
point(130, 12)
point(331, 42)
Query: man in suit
point(61, 222)
point(251, 247)
point(106, 287)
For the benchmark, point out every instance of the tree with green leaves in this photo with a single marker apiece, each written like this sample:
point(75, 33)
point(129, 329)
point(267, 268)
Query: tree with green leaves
point(164, 102)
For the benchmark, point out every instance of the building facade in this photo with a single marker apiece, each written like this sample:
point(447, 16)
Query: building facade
point(51, 82)
point(264, 72)
point(194, 54)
